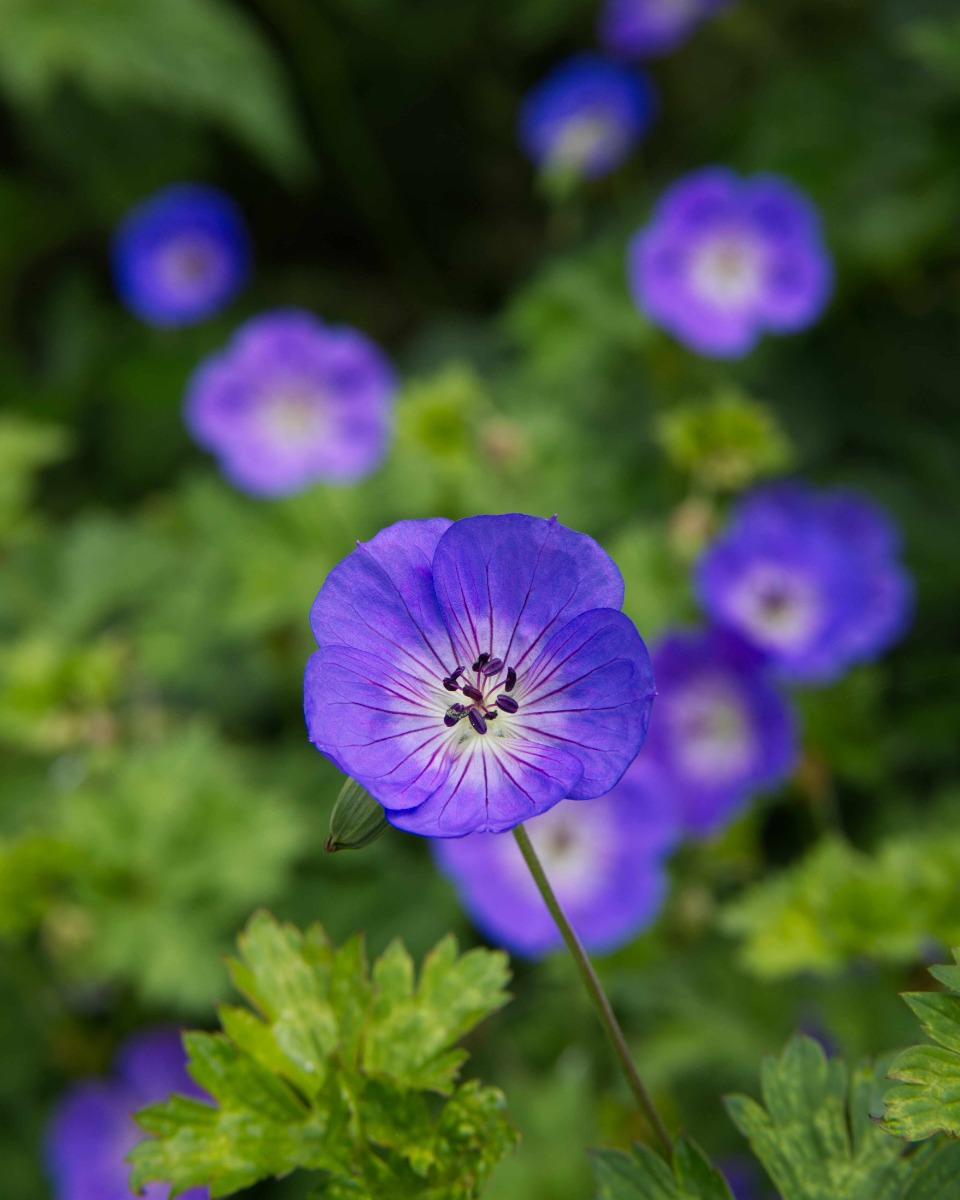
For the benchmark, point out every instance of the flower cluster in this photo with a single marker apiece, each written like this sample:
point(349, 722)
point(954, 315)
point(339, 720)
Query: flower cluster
point(647, 28)
point(586, 116)
point(473, 674)
point(291, 401)
point(92, 1130)
point(604, 859)
point(812, 579)
point(725, 259)
point(180, 255)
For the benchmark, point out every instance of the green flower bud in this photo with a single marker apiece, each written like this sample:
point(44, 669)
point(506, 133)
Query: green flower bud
point(356, 821)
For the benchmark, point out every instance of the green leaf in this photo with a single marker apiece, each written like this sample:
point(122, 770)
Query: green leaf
point(813, 1133)
point(643, 1175)
point(185, 56)
point(928, 1098)
point(412, 1031)
point(839, 904)
point(313, 1079)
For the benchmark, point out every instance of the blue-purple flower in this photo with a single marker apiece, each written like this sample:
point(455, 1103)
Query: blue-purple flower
point(647, 28)
point(725, 260)
point(92, 1130)
point(605, 861)
point(472, 674)
point(585, 117)
point(721, 731)
point(292, 401)
point(181, 255)
point(813, 579)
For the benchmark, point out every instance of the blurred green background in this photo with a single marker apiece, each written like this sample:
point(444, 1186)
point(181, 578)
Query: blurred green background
point(156, 784)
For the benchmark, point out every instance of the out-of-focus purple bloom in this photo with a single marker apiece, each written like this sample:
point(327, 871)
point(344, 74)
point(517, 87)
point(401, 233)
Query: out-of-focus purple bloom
point(292, 401)
point(648, 28)
point(744, 1178)
point(586, 116)
point(721, 732)
point(813, 579)
point(605, 861)
point(181, 255)
point(92, 1130)
point(725, 260)
point(473, 674)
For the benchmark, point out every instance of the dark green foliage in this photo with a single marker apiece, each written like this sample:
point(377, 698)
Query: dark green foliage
point(645, 1176)
point(331, 1072)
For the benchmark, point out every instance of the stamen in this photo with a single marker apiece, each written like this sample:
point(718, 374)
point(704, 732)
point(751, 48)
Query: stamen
point(472, 693)
point(453, 714)
point(507, 703)
point(511, 679)
point(477, 721)
point(493, 667)
point(491, 714)
point(481, 662)
point(451, 684)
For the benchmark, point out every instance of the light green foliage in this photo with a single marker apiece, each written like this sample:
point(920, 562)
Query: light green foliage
point(838, 904)
point(814, 1134)
point(174, 844)
point(200, 58)
point(329, 1071)
point(25, 447)
point(643, 1175)
point(726, 444)
point(927, 1100)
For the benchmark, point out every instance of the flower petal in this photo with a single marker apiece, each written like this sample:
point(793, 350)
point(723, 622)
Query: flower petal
point(380, 599)
point(506, 583)
point(591, 690)
point(378, 724)
point(494, 784)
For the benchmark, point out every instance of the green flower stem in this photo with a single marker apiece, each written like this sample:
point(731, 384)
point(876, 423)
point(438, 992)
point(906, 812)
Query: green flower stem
point(595, 988)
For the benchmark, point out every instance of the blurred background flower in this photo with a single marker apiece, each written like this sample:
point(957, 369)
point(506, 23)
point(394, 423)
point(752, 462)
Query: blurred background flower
point(724, 260)
point(291, 402)
point(92, 1130)
point(585, 117)
point(181, 255)
point(649, 28)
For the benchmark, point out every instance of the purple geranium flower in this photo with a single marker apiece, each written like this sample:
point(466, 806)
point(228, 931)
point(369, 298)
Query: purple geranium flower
point(585, 116)
point(725, 260)
point(647, 28)
point(472, 674)
point(292, 401)
point(813, 579)
point(181, 255)
point(605, 861)
point(721, 731)
point(92, 1129)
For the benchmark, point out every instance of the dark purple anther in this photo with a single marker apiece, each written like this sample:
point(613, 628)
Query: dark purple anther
point(451, 684)
point(472, 693)
point(493, 667)
point(477, 721)
point(481, 662)
point(449, 720)
point(507, 703)
point(511, 679)
point(491, 714)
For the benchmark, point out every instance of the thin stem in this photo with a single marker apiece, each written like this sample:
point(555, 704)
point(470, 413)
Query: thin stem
point(595, 988)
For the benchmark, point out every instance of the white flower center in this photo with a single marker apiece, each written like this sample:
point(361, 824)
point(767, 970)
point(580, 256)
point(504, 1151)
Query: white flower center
point(779, 608)
point(711, 731)
point(579, 140)
point(727, 270)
